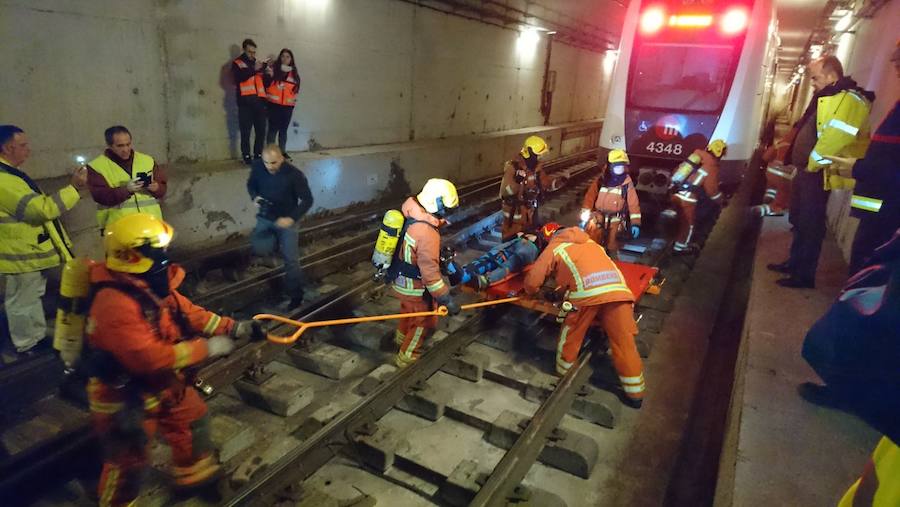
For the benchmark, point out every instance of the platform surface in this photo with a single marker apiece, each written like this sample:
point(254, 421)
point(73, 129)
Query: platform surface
point(783, 450)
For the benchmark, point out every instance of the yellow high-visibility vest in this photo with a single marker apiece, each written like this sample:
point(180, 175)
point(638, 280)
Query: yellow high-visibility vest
point(116, 176)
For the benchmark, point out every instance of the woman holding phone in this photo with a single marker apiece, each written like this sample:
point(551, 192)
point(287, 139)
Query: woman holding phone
point(282, 82)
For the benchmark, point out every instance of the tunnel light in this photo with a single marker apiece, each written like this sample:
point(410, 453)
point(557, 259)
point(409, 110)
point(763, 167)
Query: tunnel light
point(734, 21)
point(690, 21)
point(815, 51)
point(844, 22)
point(526, 44)
point(652, 20)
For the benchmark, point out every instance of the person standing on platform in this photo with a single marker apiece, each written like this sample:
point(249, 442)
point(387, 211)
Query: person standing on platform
point(124, 181)
point(282, 196)
point(834, 124)
point(282, 82)
point(32, 239)
point(251, 100)
point(876, 196)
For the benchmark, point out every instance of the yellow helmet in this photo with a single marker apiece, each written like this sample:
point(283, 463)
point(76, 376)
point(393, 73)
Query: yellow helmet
point(128, 239)
point(437, 196)
point(537, 144)
point(717, 147)
point(617, 157)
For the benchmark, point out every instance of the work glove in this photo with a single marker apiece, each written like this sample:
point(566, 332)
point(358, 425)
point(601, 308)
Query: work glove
point(248, 330)
point(453, 307)
point(135, 185)
point(220, 345)
point(635, 231)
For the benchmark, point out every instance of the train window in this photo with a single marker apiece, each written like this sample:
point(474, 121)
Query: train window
point(686, 77)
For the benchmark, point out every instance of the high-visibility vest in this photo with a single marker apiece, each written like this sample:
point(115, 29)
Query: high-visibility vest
point(29, 241)
point(878, 486)
point(252, 85)
point(116, 176)
point(283, 92)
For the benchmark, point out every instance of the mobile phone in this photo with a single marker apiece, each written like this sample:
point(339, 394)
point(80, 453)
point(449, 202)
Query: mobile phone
point(80, 160)
point(144, 178)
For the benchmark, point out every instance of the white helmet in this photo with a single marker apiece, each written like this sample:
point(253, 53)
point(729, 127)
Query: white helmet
point(437, 196)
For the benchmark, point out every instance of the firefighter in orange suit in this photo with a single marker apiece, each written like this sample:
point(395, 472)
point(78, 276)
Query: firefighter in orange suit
point(701, 182)
point(779, 176)
point(418, 283)
point(521, 190)
point(597, 290)
point(141, 333)
point(611, 204)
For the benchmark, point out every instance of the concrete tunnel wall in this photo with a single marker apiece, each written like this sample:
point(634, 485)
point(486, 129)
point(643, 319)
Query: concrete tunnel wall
point(383, 82)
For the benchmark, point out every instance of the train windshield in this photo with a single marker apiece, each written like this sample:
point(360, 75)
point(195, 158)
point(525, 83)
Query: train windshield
point(686, 77)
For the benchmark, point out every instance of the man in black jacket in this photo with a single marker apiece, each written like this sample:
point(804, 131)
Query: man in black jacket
point(281, 194)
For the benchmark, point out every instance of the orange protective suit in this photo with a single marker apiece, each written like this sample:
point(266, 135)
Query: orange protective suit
point(608, 210)
point(137, 385)
point(520, 193)
point(420, 247)
point(596, 288)
point(703, 181)
point(779, 177)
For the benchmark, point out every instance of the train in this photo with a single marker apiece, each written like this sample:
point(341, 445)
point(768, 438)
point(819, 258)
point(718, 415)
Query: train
point(689, 71)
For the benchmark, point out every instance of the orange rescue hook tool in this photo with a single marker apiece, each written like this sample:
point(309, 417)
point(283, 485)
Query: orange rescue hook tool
point(303, 326)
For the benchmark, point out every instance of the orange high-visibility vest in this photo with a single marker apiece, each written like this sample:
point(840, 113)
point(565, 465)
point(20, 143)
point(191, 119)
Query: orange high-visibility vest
point(282, 92)
point(253, 85)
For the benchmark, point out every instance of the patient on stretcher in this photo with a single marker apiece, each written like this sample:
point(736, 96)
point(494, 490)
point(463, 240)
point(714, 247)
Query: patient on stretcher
point(494, 266)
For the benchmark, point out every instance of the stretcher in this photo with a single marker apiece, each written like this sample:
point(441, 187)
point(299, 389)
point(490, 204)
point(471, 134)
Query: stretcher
point(638, 277)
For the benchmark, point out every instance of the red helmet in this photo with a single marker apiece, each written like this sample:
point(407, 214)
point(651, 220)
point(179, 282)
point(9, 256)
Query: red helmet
point(549, 229)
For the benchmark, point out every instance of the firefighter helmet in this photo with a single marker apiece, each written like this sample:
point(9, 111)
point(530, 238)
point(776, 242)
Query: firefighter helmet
point(617, 157)
point(717, 147)
point(549, 229)
point(437, 196)
point(537, 144)
point(131, 240)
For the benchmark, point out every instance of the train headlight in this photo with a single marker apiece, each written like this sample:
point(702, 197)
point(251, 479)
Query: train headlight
point(652, 20)
point(734, 21)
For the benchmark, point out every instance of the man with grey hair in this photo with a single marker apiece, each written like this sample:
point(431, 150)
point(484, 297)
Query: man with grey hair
point(32, 239)
point(834, 124)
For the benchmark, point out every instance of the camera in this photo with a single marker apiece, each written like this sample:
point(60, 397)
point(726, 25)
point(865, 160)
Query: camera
point(144, 178)
point(265, 206)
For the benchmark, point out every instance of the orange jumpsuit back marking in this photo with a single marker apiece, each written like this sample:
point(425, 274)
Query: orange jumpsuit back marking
point(151, 346)
point(608, 209)
point(597, 289)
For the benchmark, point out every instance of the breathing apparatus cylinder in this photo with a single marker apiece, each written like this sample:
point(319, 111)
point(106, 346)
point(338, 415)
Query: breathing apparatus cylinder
point(386, 244)
point(684, 169)
point(74, 288)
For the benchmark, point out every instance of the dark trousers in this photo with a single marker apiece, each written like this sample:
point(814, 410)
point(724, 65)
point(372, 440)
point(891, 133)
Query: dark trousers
point(875, 229)
point(252, 115)
point(279, 121)
point(264, 239)
point(809, 204)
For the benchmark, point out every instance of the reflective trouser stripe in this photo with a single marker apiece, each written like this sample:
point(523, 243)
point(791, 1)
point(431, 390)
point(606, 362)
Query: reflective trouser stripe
point(782, 174)
point(109, 485)
point(685, 197)
point(211, 324)
point(408, 352)
point(866, 203)
point(562, 366)
point(635, 216)
point(633, 385)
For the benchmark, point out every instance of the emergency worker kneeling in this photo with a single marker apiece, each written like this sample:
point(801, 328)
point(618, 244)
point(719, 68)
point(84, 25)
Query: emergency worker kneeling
point(141, 333)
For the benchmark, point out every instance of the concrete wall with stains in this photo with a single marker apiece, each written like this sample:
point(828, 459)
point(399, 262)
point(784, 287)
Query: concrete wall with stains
point(374, 72)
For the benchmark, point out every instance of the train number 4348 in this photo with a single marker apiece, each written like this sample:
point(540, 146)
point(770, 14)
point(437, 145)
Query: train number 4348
point(667, 148)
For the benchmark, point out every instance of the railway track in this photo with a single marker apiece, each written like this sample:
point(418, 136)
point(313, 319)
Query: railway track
point(72, 437)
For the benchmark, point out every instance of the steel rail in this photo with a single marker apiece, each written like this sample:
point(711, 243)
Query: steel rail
point(508, 474)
